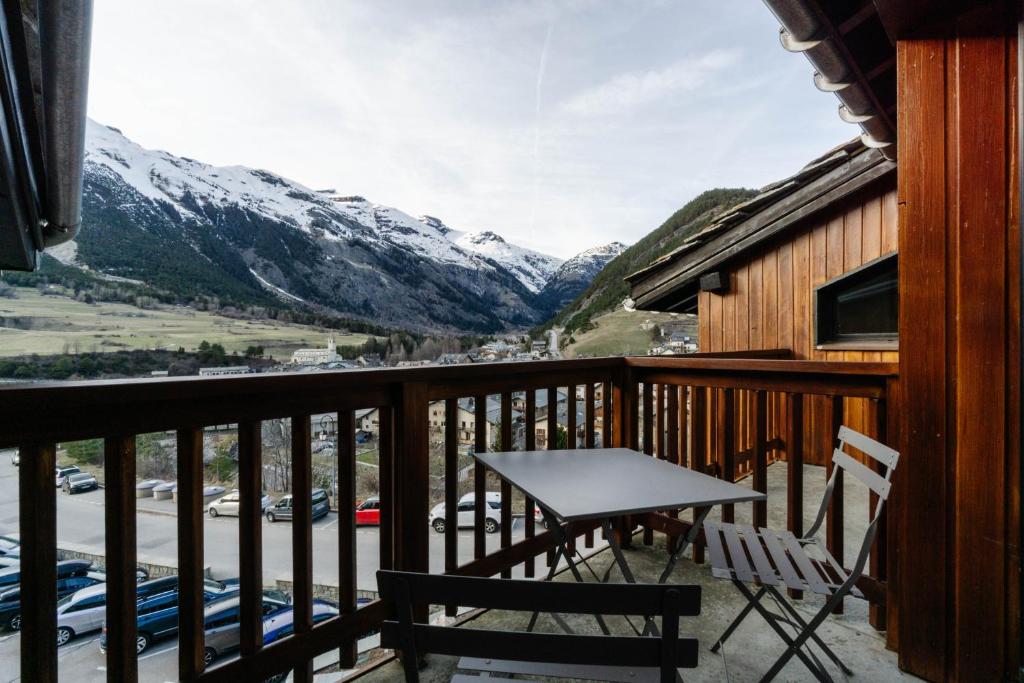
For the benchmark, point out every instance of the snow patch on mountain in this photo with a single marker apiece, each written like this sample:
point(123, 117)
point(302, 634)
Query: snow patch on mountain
point(533, 268)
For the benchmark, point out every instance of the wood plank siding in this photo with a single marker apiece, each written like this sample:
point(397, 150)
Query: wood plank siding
point(770, 305)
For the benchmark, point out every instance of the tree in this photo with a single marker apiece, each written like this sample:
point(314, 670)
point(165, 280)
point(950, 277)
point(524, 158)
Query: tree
point(277, 453)
point(88, 452)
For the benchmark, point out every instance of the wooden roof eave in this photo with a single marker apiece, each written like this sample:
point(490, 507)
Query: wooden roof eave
point(650, 291)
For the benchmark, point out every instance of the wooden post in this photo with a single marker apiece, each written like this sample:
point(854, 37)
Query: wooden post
point(795, 470)
point(412, 480)
point(302, 536)
point(834, 522)
point(760, 456)
point(250, 536)
point(479, 476)
point(347, 549)
point(451, 490)
point(190, 553)
point(386, 465)
point(122, 584)
point(727, 439)
point(506, 488)
point(37, 510)
point(530, 424)
point(589, 438)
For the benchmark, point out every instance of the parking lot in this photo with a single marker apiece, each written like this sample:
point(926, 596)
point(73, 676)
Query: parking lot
point(80, 525)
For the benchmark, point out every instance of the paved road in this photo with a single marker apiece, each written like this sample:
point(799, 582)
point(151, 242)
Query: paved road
point(80, 521)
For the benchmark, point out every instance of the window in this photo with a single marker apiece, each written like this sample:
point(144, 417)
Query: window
point(860, 307)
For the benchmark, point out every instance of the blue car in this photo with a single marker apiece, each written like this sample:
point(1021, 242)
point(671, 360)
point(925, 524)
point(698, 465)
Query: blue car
point(158, 615)
point(282, 623)
point(72, 576)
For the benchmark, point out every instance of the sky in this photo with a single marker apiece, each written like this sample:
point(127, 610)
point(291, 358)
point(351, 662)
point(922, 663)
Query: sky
point(560, 125)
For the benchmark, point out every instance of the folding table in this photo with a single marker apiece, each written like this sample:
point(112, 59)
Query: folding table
point(608, 483)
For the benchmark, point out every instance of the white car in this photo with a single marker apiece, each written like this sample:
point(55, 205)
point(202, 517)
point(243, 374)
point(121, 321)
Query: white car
point(228, 505)
point(63, 473)
point(466, 513)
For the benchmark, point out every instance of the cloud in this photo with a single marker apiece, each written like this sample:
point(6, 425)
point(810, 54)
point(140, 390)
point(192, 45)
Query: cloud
point(627, 91)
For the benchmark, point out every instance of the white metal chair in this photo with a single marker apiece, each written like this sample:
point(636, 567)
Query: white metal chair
point(781, 559)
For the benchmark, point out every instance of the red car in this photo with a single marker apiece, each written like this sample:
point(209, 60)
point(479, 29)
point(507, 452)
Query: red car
point(368, 512)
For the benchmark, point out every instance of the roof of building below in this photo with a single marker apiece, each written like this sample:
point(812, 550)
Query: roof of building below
point(670, 282)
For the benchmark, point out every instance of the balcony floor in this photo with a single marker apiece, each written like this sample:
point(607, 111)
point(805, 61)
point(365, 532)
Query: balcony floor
point(753, 648)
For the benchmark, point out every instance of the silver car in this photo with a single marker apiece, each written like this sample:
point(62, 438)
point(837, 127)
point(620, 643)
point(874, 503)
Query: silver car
point(228, 505)
point(222, 624)
point(85, 610)
point(62, 473)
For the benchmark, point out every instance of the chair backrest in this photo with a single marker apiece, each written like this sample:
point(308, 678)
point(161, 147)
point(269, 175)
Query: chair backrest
point(401, 590)
point(877, 478)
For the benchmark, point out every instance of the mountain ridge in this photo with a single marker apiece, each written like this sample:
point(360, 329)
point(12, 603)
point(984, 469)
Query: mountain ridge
point(253, 237)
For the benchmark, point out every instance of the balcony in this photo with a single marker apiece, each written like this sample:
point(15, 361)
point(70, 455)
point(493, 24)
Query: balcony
point(761, 420)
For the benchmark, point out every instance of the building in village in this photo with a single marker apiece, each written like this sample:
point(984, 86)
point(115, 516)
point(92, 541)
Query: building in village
point(317, 356)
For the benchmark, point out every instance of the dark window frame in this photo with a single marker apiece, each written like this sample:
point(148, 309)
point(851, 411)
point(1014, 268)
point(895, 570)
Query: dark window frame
point(825, 335)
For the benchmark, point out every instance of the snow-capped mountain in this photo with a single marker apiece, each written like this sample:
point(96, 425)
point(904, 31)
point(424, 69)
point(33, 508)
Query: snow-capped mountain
point(533, 268)
point(573, 276)
point(250, 236)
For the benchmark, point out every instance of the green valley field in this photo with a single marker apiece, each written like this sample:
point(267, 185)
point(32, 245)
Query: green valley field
point(52, 324)
point(619, 333)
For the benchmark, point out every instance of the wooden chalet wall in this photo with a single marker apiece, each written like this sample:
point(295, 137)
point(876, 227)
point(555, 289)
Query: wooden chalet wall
point(770, 304)
point(958, 483)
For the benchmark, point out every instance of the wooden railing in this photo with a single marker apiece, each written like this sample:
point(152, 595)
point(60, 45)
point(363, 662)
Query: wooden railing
point(662, 404)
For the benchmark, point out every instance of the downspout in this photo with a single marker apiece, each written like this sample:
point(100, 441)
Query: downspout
point(65, 27)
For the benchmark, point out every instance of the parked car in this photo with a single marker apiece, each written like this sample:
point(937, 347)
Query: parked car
point(11, 576)
point(221, 621)
point(67, 584)
point(86, 609)
point(158, 614)
point(466, 518)
point(282, 509)
point(64, 472)
point(229, 504)
point(10, 551)
point(282, 623)
point(16, 458)
point(80, 483)
point(368, 512)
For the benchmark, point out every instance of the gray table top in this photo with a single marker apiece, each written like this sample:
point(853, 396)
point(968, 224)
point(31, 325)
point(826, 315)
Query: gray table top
point(598, 483)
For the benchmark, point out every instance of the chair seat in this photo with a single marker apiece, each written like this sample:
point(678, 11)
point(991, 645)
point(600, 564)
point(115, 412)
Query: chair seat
point(774, 558)
point(608, 674)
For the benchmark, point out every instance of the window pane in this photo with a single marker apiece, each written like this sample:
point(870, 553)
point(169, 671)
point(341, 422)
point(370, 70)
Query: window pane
point(868, 308)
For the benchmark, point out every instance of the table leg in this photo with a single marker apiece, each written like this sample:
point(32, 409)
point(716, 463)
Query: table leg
point(563, 549)
point(684, 543)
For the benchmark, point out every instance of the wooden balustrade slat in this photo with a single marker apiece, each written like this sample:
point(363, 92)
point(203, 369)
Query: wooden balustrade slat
point(727, 452)
point(250, 536)
point(571, 428)
point(698, 457)
point(302, 536)
point(834, 521)
point(589, 437)
point(479, 477)
point(673, 453)
point(647, 408)
point(412, 482)
point(37, 510)
point(606, 414)
point(190, 553)
point(121, 547)
point(879, 559)
point(529, 504)
point(760, 456)
point(506, 488)
point(451, 490)
point(386, 468)
point(795, 470)
point(552, 430)
point(660, 428)
point(347, 548)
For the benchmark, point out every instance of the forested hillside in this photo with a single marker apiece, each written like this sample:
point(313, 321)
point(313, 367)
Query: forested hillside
point(608, 289)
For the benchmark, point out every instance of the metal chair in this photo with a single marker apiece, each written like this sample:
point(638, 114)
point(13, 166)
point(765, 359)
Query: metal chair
point(598, 658)
point(779, 558)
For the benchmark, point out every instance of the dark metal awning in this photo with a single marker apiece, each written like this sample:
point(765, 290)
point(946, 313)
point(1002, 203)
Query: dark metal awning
point(44, 73)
